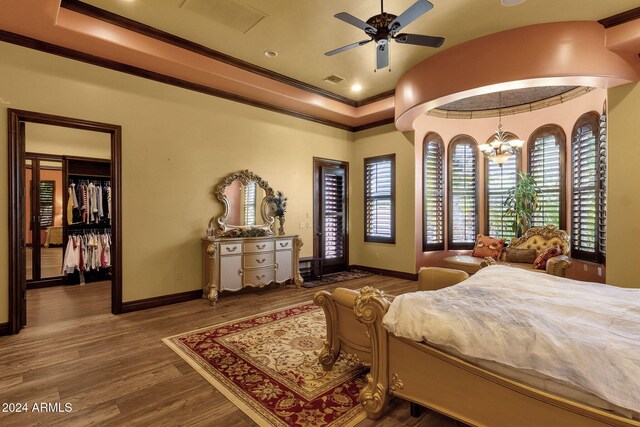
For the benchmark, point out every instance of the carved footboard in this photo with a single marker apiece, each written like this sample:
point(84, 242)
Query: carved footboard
point(345, 335)
point(370, 307)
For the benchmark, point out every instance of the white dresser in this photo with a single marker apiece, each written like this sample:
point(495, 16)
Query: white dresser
point(231, 264)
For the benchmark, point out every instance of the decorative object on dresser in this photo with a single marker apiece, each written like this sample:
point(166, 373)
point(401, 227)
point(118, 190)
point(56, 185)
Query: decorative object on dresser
point(279, 205)
point(243, 251)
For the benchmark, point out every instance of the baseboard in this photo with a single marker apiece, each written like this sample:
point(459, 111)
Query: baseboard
point(46, 283)
point(390, 273)
point(144, 304)
point(4, 329)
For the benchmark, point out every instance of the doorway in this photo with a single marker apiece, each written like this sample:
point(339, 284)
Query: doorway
point(330, 214)
point(30, 189)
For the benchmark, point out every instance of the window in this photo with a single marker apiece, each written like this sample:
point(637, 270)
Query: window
point(499, 180)
point(546, 166)
point(433, 193)
point(379, 199)
point(585, 187)
point(463, 192)
point(250, 203)
point(47, 201)
point(602, 195)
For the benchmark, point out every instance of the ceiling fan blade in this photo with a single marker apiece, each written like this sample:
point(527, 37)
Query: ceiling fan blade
point(382, 56)
point(420, 40)
point(350, 19)
point(415, 11)
point(347, 47)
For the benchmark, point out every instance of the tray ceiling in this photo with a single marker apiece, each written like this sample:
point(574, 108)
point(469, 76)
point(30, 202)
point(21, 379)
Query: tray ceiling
point(301, 31)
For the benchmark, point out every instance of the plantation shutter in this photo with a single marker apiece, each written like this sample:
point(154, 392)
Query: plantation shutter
point(585, 190)
point(250, 204)
point(47, 198)
point(333, 215)
point(433, 195)
point(379, 209)
point(546, 169)
point(602, 176)
point(463, 202)
point(499, 181)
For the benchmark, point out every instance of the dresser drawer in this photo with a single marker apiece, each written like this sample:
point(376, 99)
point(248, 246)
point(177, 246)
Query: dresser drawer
point(258, 246)
point(234, 248)
point(284, 244)
point(258, 276)
point(259, 259)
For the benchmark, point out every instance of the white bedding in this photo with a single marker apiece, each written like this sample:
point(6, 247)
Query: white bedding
point(586, 335)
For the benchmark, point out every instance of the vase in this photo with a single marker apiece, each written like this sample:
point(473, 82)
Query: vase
point(281, 228)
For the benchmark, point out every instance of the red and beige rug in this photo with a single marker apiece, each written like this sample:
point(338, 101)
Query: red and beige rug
point(268, 366)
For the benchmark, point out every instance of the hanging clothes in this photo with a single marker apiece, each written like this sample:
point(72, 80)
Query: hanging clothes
point(87, 252)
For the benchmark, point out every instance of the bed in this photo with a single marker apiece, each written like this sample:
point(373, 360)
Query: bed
point(436, 374)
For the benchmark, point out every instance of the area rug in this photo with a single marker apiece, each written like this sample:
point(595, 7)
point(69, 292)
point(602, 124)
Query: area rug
point(337, 277)
point(267, 365)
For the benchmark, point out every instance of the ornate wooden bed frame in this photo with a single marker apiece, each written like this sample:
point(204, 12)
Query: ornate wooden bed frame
point(430, 377)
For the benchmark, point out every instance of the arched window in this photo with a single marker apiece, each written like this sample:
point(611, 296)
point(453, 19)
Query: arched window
point(499, 179)
point(463, 192)
point(433, 193)
point(602, 195)
point(546, 166)
point(585, 187)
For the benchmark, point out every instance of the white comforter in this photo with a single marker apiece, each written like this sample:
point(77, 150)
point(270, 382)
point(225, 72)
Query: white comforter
point(584, 334)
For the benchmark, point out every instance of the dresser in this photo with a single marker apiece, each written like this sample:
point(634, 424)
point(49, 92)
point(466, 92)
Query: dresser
point(231, 264)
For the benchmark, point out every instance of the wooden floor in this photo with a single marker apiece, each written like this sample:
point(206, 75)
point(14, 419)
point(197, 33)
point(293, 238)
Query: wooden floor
point(114, 370)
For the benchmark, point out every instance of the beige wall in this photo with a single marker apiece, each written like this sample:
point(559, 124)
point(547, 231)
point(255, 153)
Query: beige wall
point(401, 255)
point(623, 210)
point(47, 139)
point(177, 145)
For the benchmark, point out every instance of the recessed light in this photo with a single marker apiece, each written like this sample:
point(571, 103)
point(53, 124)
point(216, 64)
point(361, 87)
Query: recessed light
point(270, 53)
point(356, 87)
point(511, 2)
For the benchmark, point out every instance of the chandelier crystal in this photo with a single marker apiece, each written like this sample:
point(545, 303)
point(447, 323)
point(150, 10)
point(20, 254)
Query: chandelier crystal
point(501, 147)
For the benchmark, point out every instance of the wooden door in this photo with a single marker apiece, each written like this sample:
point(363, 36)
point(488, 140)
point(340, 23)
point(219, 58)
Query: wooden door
point(331, 214)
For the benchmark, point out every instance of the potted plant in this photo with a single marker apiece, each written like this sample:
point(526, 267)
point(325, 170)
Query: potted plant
point(279, 207)
point(521, 203)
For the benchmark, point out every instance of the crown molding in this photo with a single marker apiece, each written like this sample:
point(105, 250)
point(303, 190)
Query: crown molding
point(162, 78)
point(620, 18)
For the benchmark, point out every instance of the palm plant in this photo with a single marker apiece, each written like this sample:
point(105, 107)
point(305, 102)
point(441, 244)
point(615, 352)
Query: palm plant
point(522, 202)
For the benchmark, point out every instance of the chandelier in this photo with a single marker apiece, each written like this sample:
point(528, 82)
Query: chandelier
point(501, 147)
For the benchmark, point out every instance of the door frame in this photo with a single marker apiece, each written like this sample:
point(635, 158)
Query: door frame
point(17, 200)
point(318, 162)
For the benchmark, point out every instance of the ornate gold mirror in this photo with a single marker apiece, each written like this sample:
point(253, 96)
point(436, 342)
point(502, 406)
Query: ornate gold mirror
point(244, 196)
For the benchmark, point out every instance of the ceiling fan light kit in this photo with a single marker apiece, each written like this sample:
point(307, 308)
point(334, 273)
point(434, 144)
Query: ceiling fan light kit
point(384, 27)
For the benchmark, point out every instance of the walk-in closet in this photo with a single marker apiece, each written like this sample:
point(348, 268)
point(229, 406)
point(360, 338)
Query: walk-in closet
point(68, 206)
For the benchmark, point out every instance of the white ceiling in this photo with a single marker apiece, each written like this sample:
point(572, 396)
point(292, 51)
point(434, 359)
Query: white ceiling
point(302, 30)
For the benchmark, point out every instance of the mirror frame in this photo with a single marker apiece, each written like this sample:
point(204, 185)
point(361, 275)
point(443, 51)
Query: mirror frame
point(245, 177)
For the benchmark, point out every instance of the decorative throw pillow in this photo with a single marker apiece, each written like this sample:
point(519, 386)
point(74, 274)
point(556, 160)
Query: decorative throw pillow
point(541, 262)
point(487, 246)
point(521, 255)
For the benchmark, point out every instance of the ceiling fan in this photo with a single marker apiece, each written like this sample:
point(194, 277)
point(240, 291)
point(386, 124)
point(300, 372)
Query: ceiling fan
point(384, 27)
